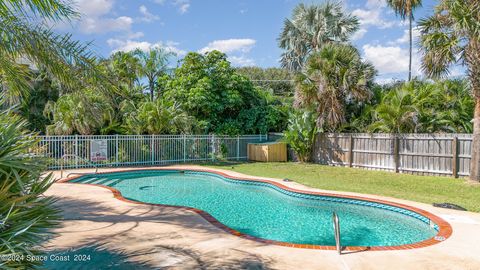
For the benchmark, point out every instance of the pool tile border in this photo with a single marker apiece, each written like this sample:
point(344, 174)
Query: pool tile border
point(444, 228)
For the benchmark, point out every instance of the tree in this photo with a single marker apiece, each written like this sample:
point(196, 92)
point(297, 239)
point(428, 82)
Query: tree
point(405, 8)
point(82, 113)
point(158, 117)
point(333, 77)
point(26, 42)
point(452, 35)
point(43, 90)
point(208, 88)
point(153, 64)
point(310, 28)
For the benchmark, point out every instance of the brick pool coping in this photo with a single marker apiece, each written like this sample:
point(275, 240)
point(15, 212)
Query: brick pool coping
point(444, 228)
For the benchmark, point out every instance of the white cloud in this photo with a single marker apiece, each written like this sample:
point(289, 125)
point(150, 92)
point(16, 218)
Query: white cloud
point(96, 25)
point(359, 34)
point(230, 45)
point(406, 37)
point(241, 61)
point(181, 5)
point(93, 8)
point(390, 59)
point(371, 15)
point(130, 45)
point(147, 16)
point(96, 17)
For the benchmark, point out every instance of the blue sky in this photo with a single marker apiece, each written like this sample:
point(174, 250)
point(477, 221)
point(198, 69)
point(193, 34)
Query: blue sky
point(246, 30)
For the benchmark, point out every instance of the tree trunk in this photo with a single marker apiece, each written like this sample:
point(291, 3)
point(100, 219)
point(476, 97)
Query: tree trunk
point(152, 89)
point(410, 19)
point(475, 161)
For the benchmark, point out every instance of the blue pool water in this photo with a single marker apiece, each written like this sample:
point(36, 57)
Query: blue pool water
point(265, 211)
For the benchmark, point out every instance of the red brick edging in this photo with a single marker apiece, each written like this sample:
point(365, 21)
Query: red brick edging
point(444, 228)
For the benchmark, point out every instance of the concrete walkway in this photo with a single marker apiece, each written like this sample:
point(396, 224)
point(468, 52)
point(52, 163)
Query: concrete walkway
point(162, 237)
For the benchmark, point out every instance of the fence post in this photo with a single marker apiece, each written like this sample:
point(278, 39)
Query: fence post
point(152, 154)
point(238, 147)
point(184, 148)
point(396, 153)
point(116, 150)
point(213, 147)
point(455, 157)
point(350, 152)
point(76, 151)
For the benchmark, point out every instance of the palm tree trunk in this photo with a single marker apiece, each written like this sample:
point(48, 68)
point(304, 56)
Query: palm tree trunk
point(475, 161)
point(152, 89)
point(410, 19)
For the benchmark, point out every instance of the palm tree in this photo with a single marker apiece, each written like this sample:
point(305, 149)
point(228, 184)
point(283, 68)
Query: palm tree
point(27, 41)
point(397, 113)
point(333, 77)
point(78, 113)
point(452, 35)
point(405, 8)
point(310, 28)
point(153, 64)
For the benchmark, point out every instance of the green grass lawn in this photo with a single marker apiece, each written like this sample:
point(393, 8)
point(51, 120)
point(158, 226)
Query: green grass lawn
point(426, 189)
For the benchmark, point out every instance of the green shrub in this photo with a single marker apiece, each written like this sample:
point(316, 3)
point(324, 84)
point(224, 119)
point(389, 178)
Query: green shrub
point(301, 133)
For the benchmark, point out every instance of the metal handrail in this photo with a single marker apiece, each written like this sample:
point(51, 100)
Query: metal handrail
point(336, 228)
point(75, 156)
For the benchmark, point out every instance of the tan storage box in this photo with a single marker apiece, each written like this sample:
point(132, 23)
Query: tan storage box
point(267, 152)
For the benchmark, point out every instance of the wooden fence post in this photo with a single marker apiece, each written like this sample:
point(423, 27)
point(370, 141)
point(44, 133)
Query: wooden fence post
point(455, 157)
point(350, 152)
point(396, 153)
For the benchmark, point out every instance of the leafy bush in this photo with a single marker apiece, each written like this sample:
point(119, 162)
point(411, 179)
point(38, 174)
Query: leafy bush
point(25, 214)
point(301, 133)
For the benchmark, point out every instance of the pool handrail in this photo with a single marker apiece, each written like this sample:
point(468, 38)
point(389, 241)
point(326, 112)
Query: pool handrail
point(336, 228)
point(62, 165)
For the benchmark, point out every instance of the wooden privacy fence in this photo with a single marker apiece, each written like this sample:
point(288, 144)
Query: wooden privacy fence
point(424, 154)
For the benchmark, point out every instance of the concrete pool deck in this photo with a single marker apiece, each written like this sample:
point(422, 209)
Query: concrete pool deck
point(165, 237)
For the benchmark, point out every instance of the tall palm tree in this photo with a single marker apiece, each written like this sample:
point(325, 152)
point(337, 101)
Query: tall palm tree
point(26, 40)
point(333, 77)
point(310, 28)
point(405, 8)
point(452, 35)
point(153, 65)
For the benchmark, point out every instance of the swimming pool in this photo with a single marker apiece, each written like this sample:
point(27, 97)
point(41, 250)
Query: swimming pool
point(267, 210)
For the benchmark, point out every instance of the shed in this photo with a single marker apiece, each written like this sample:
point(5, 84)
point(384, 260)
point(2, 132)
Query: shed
point(267, 152)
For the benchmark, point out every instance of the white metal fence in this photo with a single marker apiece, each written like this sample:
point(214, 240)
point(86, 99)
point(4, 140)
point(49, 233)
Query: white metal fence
point(79, 151)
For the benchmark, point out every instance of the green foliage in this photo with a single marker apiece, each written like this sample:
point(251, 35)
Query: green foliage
point(152, 65)
point(157, 117)
point(209, 89)
point(43, 90)
point(78, 113)
point(310, 28)
point(23, 37)
point(301, 133)
point(26, 216)
point(333, 77)
point(418, 106)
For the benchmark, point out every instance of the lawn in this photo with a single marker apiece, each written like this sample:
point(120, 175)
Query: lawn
point(426, 189)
